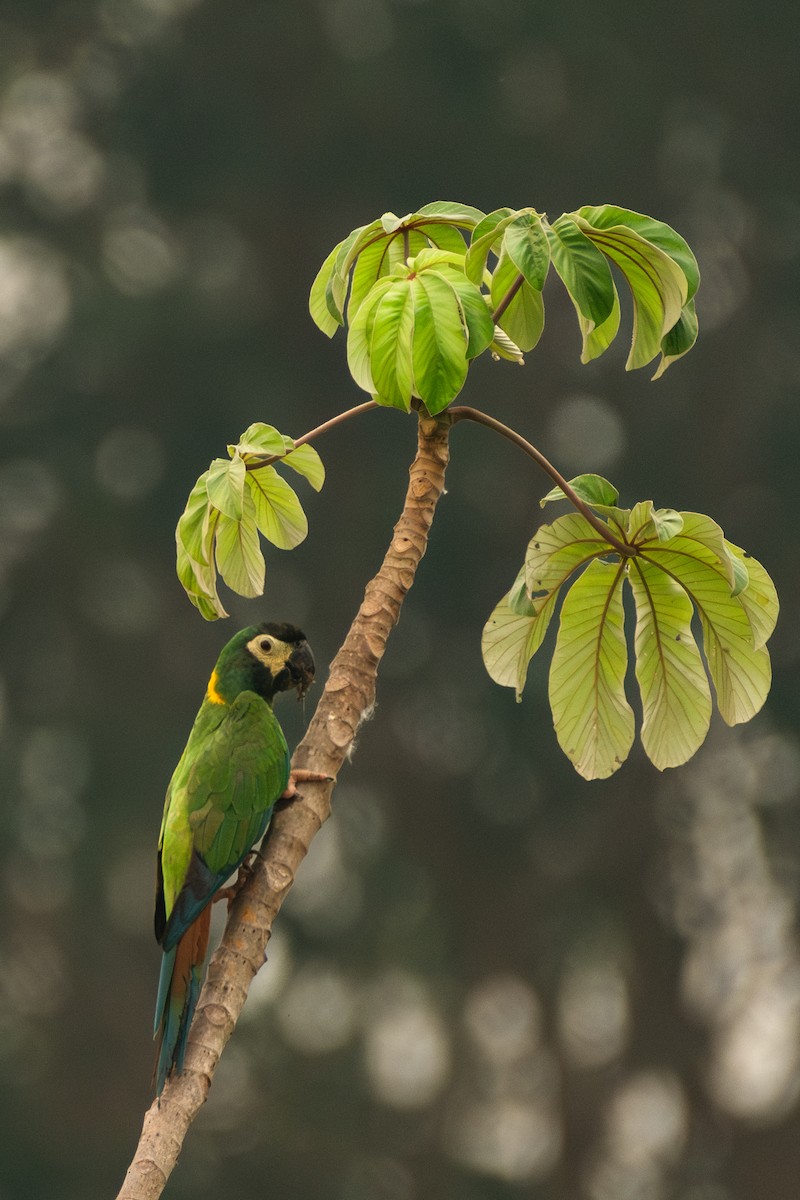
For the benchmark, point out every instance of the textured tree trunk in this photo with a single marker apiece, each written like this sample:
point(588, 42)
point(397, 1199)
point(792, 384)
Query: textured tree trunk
point(347, 700)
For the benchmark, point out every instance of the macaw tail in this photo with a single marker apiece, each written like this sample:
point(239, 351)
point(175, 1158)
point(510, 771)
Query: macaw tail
point(178, 990)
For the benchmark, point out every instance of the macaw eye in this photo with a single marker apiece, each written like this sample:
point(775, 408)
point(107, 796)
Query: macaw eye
point(266, 644)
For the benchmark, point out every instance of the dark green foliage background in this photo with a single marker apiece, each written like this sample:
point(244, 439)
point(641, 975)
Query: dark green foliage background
point(285, 125)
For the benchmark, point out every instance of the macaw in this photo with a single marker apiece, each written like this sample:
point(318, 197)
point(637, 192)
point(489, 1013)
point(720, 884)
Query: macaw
point(219, 804)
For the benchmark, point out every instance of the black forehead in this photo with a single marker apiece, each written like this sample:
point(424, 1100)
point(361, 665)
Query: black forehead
point(282, 631)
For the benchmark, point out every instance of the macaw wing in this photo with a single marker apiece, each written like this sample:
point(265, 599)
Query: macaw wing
point(227, 794)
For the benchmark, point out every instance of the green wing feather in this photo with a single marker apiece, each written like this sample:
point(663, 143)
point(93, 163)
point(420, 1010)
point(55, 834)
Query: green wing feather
point(219, 802)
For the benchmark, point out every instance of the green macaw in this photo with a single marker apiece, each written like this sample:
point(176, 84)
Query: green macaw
point(219, 803)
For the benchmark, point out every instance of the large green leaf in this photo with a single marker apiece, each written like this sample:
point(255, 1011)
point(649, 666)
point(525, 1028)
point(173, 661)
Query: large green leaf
point(593, 721)
point(438, 342)
point(359, 335)
point(225, 485)
point(658, 286)
point(526, 244)
point(559, 549)
point(486, 237)
point(584, 272)
point(277, 512)
point(390, 346)
point(523, 317)
point(510, 638)
point(676, 701)
point(238, 552)
point(606, 216)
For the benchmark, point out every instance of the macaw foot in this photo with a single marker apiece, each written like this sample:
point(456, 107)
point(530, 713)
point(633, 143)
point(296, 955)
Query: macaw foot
point(302, 776)
point(245, 871)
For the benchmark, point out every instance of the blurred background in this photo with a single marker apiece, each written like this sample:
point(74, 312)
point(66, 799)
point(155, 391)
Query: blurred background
point(492, 980)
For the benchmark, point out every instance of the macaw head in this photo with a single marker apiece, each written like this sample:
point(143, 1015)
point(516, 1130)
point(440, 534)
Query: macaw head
point(267, 659)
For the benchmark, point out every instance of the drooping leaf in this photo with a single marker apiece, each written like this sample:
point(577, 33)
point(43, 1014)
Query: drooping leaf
point(485, 237)
point(759, 598)
point(277, 512)
point(225, 485)
point(741, 673)
point(463, 215)
point(679, 340)
point(511, 639)
point(474, 312)
point(317, 301)
point(238, 552)
point(676, 700)
point(194, 539)
point(593, 721)
point(597, 338)
point(349, 250)
point(584, 272)
point(307, 462)
point(438, 342)
point(359, 335)
point(658, 286)
point(606, 216)
point(523, 316)
point(593, 489)
point(525, 242)
point(390, 346)
point(558, 549)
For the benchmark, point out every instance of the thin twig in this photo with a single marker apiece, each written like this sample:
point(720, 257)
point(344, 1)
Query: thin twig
point(463, 412)
point(339, 419)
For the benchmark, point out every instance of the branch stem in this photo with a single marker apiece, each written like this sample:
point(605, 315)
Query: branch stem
point(347, 700)
point(339, 419)
point(463, 412)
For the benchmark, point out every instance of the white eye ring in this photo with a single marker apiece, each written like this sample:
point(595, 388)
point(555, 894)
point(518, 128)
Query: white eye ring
point(266, 645)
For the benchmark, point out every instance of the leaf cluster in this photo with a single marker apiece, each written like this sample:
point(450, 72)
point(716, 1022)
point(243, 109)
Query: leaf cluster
point(424, 294)
point(681, 571)
point(234, 500)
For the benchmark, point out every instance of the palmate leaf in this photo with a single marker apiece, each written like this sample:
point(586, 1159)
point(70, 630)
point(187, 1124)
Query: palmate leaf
point(513, 634)
point(682, 566)
point(230, 504)
point(593, 721)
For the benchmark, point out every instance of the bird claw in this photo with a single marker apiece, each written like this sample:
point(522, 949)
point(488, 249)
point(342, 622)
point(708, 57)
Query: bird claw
point(245, 871)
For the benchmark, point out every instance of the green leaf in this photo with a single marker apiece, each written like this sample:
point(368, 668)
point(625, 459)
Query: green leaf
point(349, 250)
point(605, 216)
point(759, 598)
point(225, 485)
point(307, 462)
point(390, 346)
point(584, 272)
point(510, 640)
point(438, 342)
point(658, 286)
point(523, 318)
point(741, 673)
point(676, 700)
point(679, 340)
point(557, 550)
point(238, 552)
point(317, 301)
point(525, 242)
point(277, 511)
point(194, 539)
point(259, 440)
point(443, 237)
point(667, 523)
point(597, 338)
point(592, 489)
point(593, 721)
point(475, 313)
point(463, 215)
point(359, 335)
point(485, 237)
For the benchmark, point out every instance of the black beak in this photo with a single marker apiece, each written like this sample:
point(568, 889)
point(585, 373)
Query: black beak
point(301, 668)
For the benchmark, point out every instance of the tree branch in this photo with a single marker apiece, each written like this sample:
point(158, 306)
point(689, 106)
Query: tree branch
point(347, 700)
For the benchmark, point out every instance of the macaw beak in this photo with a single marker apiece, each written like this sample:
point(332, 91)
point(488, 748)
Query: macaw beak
point(301, 668)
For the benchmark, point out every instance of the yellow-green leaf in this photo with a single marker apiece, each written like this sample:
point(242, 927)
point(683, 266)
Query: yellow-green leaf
point(277, 511)
point(593, 721)
point(511, 639)
point(558, 549)
point(238, 552)
point(676, 700)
